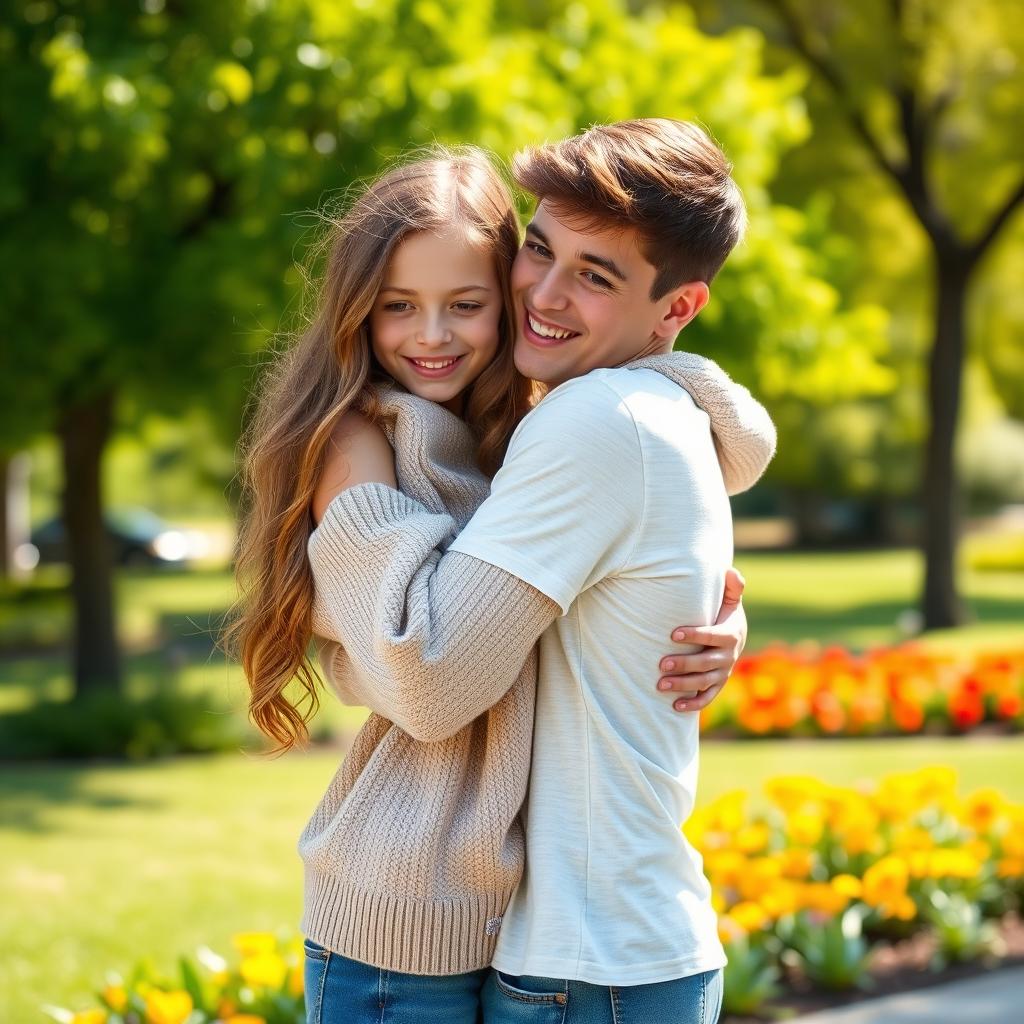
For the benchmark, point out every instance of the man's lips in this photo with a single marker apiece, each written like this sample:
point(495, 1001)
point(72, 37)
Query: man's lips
point(556, 336)
point(434, 368)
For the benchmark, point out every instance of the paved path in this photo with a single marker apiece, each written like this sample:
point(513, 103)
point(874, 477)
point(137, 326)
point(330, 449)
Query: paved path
point(996, 998)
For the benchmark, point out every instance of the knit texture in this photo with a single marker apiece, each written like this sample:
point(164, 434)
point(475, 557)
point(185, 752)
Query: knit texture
point(742, 430)
point(413, 853)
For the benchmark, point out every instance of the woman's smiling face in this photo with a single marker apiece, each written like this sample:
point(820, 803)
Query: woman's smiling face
point(435, 323)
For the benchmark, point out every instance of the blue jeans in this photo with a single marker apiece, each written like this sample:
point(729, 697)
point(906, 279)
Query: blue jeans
point(528, 1000)
point(344, 991)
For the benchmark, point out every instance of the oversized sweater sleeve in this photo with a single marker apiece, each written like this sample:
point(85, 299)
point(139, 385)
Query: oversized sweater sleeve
point(426, 639)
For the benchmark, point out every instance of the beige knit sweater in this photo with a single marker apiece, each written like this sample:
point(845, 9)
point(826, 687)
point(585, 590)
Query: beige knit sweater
point(415, 849)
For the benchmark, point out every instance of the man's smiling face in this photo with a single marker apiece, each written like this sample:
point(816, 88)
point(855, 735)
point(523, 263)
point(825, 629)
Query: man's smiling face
point(583, 299)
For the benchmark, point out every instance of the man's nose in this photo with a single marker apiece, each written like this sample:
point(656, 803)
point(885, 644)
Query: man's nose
point(549, 292)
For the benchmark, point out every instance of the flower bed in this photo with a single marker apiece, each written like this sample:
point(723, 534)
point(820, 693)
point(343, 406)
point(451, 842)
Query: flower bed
point(810, 887)
point(805, 691)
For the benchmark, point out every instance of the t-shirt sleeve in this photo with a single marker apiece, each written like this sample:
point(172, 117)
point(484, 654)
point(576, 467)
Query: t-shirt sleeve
point(565, 507)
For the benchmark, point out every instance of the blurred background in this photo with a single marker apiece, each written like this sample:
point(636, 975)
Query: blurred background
point(163, 167)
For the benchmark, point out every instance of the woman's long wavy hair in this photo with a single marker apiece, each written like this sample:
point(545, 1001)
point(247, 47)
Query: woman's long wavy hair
point(329, 370)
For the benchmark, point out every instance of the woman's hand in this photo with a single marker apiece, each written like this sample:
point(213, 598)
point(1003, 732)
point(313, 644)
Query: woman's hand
point(699, 677)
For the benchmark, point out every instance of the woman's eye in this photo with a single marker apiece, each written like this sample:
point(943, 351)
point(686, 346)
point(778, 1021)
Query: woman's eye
point(396, 307)
point(468, 307)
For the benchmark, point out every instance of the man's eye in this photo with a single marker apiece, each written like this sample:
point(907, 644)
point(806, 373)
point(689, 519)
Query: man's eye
point(541, 250)
point(597, 279)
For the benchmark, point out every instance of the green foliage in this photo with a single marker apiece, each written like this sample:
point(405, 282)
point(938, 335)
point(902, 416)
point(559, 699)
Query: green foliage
point(155, 161)
point(834, 953)
point(751, 977)
point(111, 725)
point(961, 931)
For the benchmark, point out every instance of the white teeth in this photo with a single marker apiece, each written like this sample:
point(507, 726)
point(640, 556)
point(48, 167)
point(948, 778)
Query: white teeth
point(434, 364)
point(548, 332)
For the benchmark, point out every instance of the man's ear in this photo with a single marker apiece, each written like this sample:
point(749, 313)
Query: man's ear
point(681, 305)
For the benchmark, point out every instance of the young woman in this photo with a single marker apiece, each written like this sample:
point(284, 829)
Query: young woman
point(416, 847)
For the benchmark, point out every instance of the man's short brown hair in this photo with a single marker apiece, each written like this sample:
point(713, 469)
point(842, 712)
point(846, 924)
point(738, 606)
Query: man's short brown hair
point(664, 178)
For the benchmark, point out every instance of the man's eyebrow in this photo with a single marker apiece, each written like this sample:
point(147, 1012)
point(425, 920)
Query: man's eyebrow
point(602, 261)
point(587, 257)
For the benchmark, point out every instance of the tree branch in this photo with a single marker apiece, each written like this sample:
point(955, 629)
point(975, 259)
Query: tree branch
point(802, 43)
point(988, 236)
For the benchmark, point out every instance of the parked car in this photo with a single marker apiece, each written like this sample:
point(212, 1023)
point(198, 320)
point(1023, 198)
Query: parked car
point(137, 535)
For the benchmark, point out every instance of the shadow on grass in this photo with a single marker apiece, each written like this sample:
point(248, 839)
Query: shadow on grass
point(31, 794)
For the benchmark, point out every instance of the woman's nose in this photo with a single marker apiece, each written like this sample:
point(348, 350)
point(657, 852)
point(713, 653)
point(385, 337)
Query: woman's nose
point(435, 331)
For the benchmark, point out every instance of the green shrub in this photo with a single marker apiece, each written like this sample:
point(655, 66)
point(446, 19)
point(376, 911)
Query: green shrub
point(112, 725)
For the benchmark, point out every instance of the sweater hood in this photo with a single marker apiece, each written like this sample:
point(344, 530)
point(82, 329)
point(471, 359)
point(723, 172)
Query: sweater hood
point(743, 432)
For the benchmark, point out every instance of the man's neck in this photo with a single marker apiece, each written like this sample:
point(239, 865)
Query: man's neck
point(654, 347)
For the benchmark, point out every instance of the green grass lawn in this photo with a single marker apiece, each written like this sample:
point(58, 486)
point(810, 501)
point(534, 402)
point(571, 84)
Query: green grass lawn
point(101, 865)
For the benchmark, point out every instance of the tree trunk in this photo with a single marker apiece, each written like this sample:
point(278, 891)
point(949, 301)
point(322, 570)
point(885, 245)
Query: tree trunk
point(6, 547)
point(941, 604)
point(83, 432)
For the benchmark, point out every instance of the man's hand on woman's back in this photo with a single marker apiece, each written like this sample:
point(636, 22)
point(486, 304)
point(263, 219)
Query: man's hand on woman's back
point(699, 677)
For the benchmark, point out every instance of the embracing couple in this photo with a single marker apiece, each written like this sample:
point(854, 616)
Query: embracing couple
point(486, 487)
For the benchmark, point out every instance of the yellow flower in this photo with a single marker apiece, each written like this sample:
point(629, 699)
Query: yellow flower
point(296, 980)
point(89, 1017)
point(263, 970)
point(796, 863)
point(885, 882)
point(753, 838)
point(1013, 843)
point(982, 809)
point(804, 829)
point(1011, 867)
point(254, 943)
point(947, 863)
point(749, 916)
point(761, 875)
point(913, 838)
point(822, 897)
point(244, 1018)
point(115, 997)
point(781, 899)
point(793, 793)
point(905, 909)
point(849, 885)
point(725, 868)
point(167, 1007)
point(860, 839)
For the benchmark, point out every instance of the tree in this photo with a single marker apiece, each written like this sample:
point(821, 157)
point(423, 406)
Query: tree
point(153, 163)
point(931, 92)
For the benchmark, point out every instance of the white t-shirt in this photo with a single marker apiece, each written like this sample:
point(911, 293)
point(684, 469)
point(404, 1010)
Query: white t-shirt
point(611, 502)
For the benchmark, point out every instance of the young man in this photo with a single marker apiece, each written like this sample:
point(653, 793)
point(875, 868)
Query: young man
point(608, 519)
